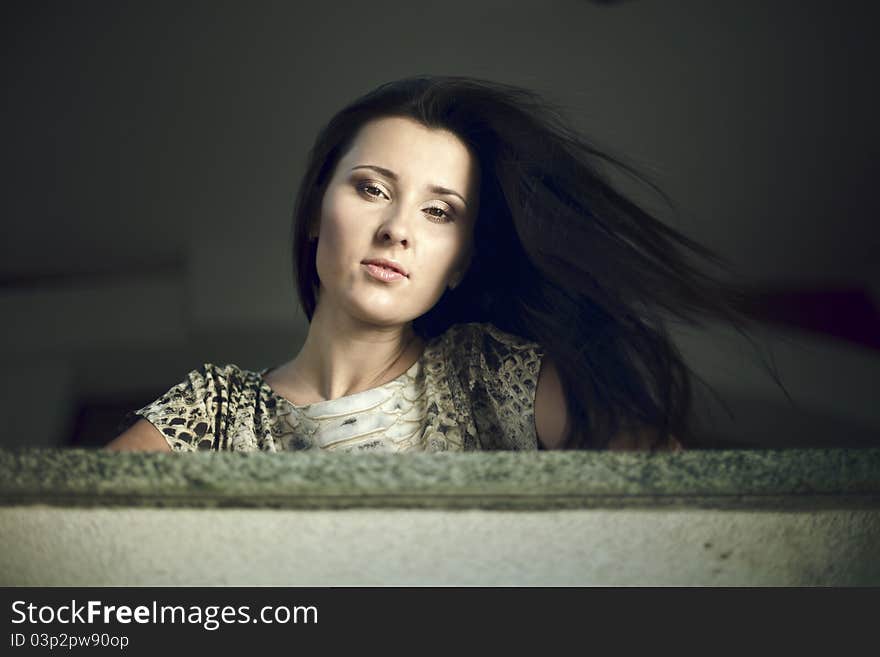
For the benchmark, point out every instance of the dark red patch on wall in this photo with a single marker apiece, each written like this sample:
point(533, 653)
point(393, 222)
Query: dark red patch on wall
point(846, 313)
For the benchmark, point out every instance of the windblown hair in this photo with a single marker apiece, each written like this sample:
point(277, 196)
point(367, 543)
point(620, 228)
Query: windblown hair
point(561, 256)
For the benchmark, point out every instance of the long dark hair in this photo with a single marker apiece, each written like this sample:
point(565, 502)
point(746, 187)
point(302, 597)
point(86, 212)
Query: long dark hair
point(561, 256)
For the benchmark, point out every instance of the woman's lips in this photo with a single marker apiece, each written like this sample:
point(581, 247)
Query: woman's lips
point(383, 273)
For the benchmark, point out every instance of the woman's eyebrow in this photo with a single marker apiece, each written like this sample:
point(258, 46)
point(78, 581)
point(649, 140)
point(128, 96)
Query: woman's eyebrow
point(436, 189)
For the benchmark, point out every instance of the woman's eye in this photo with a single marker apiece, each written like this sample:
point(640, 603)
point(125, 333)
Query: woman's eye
point(371, 190)
point(438, 213)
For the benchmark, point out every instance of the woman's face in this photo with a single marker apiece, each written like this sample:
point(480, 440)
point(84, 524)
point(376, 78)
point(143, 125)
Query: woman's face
point(404, 193)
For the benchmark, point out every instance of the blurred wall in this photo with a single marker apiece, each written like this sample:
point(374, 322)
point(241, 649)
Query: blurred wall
point(152, 153)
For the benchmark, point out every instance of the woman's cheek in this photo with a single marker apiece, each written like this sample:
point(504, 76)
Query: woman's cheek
point(338, 231)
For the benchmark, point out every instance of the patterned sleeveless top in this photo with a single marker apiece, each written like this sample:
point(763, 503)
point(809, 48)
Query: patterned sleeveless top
point(472, 388)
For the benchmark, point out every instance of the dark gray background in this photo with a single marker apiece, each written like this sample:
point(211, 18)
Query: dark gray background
point(152, 152)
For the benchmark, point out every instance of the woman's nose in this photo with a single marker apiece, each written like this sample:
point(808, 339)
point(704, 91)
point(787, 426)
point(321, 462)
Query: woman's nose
point(394, 228)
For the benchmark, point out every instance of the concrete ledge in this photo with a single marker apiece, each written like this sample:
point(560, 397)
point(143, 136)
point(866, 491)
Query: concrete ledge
point(778, 479)
point(51, 546)
point(736, 518)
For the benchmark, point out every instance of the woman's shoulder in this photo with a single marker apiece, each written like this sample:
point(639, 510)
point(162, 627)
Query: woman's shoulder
point(498, 372)
point(484, 335)
point(486, 355)
point(190, 412)
point(480, 349)
point(201, 388)
point(223, 375)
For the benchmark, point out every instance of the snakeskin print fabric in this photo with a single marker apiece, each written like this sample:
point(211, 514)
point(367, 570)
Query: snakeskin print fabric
point(473, 388)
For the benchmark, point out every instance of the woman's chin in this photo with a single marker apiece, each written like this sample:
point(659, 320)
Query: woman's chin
point(381, 313)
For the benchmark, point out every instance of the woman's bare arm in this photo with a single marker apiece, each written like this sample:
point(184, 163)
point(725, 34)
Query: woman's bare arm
point(552, 418)
point(140, 437)
point(551, 412)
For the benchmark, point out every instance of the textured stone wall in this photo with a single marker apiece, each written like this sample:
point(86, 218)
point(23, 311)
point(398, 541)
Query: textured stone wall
point(735, 518)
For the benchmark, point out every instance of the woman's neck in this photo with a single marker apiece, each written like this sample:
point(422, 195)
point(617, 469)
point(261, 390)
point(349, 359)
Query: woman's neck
point(342, 356)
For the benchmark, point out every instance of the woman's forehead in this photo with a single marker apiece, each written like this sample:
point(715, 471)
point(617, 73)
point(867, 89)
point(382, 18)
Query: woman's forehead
point(413, 152)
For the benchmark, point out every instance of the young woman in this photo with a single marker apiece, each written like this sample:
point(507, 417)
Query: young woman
point(472, 281)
